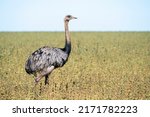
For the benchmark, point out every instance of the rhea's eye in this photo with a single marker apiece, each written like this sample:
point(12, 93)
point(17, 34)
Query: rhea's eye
point(69, 16)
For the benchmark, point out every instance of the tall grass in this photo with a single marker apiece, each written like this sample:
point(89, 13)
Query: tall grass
point(102, 65)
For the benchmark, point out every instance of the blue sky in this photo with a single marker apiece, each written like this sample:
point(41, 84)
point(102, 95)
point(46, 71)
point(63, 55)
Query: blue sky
point(93, 15)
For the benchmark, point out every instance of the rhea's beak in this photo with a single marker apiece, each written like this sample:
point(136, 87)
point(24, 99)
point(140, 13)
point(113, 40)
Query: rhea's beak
point(74, 18)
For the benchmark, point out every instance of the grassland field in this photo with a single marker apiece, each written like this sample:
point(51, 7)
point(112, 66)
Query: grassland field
point(102, 65)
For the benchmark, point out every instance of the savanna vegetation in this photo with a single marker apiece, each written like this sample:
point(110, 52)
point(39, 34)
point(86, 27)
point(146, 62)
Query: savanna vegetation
point(102, 65)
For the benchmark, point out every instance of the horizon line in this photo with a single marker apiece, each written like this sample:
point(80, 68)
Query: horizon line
point(86, 31)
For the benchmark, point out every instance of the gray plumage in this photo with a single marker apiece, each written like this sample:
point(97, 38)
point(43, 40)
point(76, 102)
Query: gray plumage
point(44, 60)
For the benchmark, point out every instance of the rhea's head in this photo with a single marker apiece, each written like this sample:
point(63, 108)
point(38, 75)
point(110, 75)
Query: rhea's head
point(69, 17)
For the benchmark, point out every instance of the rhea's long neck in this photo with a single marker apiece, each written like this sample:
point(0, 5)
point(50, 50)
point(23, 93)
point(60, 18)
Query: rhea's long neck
point(67, 47)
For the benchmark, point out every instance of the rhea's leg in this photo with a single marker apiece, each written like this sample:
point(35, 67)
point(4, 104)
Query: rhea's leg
point(38, 78)
point(44, 73)
point(46, 80)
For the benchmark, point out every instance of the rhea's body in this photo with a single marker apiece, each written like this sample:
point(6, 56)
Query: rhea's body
point(45, 57)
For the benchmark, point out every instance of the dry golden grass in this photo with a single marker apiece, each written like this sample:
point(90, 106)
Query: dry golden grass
point(102, 65)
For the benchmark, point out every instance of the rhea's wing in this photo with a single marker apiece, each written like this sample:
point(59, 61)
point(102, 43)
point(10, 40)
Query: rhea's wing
point(44, 58)
point(33, 62)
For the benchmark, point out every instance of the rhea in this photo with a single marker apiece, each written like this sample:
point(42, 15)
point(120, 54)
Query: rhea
point(43, 61)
